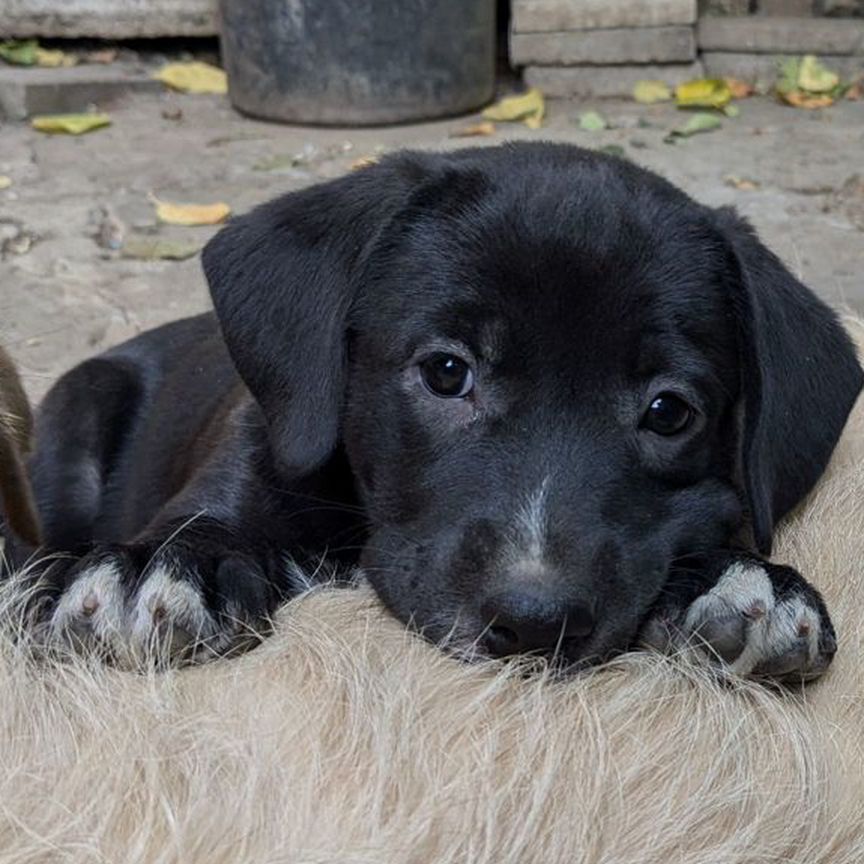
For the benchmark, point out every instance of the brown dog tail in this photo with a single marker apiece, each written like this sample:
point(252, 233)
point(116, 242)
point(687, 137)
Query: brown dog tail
point(16, 426)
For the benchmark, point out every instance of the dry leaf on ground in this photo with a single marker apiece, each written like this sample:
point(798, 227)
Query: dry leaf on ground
point(703, 93)
point(19, 243)
point(528, 108)
point(800, 99)
point(739, 89)
point(700, 122)
point(649, 92)
point(28, 52)
point(5, 182)
point(613, 150)
point(191, 214)
point(69, 124)
point(159, 249)
point(19, 52)
point(745, 184)
point(814, 77)
point(787, 75)
point(193, 77)
point(363, 162)
point(474, 130)
point(806, 83)
point(53, 59)
point(593, 121)
point(102, 56)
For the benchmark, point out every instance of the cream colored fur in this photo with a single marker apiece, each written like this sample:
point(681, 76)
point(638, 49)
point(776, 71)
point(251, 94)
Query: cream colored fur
point(344, 739)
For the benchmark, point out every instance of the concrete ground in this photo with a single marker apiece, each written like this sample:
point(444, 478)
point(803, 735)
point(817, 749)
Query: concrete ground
point(64, 297)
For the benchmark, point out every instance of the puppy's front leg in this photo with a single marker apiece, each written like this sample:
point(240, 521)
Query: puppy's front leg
point(182, 592)
point(745, 614)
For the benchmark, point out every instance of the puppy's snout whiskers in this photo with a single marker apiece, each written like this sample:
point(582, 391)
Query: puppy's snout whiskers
point(556, 653)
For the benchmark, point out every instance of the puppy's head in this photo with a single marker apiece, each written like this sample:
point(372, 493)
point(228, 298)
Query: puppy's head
point(554, 374)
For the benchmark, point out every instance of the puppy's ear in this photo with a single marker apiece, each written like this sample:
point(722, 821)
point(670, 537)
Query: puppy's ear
point(799, 379)
point(283, 279)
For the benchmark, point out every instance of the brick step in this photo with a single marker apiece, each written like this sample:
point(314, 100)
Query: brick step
point(604, 47)
point(757, 35)
point(608, 82)
point(539, 16)
point(25, 92)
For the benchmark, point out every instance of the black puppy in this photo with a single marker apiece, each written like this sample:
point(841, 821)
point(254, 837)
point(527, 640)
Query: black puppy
point(543, 398)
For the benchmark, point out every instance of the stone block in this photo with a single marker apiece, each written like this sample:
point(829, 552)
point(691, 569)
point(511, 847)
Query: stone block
point(724, 7)
point(604, 47)
point(787, 8)
point(761, 69)
point(841, 8)
point(605, 81)
point(758, 35)
point(26, 92)
point(108, 19)
point(536, 16)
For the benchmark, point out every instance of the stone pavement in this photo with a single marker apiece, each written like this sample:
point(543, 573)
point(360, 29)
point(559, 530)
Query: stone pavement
point(64, 297)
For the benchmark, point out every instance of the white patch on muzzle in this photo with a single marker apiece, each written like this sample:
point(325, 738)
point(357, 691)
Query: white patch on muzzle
point(527, 541)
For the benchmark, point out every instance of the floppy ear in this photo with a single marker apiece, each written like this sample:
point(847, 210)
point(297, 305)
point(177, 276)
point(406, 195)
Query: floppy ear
point(283, 279)
point(799, 379)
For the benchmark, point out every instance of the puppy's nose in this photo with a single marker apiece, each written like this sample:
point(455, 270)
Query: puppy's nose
point(518, 622)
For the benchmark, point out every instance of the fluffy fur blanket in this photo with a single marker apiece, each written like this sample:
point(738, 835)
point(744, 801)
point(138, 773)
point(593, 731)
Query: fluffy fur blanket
point(344, 739)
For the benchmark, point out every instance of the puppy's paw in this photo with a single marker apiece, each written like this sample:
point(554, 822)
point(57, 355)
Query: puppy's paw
point(137, 606)
point(759, 619)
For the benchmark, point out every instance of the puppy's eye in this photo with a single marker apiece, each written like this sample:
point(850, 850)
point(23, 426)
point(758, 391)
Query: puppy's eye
point(447, 376)
point(667, 414)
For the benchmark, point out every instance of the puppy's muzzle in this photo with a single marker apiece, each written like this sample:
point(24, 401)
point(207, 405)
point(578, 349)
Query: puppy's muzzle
point(522, 621)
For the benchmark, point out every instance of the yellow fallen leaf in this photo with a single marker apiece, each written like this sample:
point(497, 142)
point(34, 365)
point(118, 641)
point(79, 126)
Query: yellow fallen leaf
point(474, 130)
point(814, 77)
point(363, 162)
point(69, 124)
point(528, 107)
point(191, 214)
point(743, 183)
point(739, 89)
point(703, 93)
point(649, 92)
point(52, 59)
point(5, 182)
point(800, 99)
point(193, 77)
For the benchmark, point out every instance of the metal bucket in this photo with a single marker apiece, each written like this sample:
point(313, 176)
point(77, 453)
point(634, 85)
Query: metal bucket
point(358, 62)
